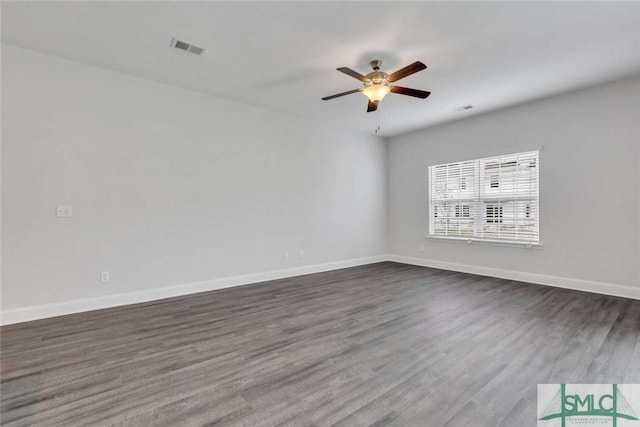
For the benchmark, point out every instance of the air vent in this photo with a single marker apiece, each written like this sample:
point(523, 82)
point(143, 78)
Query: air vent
point(195, 49)
point(187, 47)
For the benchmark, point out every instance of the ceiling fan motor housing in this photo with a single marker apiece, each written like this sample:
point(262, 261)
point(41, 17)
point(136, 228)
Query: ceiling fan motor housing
point(376, 77)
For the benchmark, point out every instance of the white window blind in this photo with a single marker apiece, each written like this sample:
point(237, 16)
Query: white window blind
point(491, 199)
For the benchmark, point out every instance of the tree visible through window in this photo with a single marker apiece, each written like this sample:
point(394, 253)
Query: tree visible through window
point(492, 198)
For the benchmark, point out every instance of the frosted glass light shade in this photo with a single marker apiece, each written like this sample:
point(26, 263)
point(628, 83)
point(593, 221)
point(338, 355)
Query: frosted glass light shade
point(375, 93)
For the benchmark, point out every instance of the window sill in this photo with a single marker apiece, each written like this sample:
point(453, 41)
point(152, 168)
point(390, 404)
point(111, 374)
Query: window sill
point(472, 241)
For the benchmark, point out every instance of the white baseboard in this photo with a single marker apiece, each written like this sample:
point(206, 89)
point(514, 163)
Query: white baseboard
point(25, 314)
point(540, 279)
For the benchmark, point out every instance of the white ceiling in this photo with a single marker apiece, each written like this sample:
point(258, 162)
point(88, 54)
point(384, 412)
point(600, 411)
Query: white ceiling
point(283, 55)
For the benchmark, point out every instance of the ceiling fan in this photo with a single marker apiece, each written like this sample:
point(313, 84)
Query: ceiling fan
point(377, 83)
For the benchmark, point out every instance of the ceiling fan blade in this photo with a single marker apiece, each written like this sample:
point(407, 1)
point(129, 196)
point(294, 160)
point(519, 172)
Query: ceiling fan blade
point(326, 98)
point(373, 106)
point(411, 92)
point(406, 71)
point(352, 73)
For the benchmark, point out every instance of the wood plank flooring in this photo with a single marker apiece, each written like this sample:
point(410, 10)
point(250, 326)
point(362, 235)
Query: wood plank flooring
point(383, 344)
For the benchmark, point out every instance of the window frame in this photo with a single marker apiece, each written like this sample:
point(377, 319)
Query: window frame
point(482, 240)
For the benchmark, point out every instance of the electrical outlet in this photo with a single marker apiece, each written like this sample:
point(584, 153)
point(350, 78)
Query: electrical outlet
point(64, 211)
point(301, 253)
point(285, 255)
point(105, 276)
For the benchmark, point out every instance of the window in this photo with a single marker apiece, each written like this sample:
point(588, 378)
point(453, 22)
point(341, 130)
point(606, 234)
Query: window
point(463, 211)
point(490, 199)
point(494, 213)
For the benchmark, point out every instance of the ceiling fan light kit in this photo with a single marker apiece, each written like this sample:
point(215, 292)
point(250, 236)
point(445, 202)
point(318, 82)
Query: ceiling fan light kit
point(375, 93)
point(377, 83)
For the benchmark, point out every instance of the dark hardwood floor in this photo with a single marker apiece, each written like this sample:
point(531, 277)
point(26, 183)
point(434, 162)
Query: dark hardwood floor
point(383, 344)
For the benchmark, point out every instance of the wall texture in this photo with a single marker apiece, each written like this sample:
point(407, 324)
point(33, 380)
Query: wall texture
point(589, 184)
point(168, 186)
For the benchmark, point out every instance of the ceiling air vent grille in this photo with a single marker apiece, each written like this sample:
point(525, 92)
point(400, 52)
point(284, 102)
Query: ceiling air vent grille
point(187, 47)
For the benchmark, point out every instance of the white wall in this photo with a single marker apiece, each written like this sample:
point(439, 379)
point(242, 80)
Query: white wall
point(589, 184)
point(168, 186)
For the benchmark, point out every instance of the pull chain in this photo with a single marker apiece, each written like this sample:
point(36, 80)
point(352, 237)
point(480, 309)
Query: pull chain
point(377, 129)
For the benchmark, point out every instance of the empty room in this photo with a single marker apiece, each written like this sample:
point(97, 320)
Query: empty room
point(330, 213)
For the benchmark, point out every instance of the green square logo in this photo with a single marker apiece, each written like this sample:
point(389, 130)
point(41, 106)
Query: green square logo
point(593, 405)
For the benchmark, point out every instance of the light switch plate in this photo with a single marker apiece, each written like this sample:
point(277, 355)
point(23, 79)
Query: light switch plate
point(64, 211)
point(105, 276)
